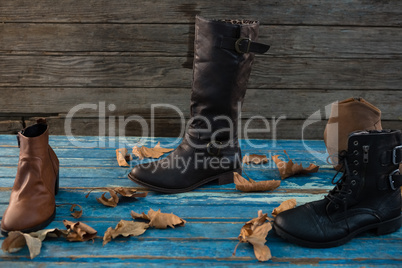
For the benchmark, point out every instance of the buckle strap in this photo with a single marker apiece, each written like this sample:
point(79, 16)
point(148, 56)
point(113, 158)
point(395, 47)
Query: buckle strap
point(392, 157)
point(397, 155)
point(395, 179)
point(242, 45)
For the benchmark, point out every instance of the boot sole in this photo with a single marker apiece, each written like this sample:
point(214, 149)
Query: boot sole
point(224, 178)
point(381, 228)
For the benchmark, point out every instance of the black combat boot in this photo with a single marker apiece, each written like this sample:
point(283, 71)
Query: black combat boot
point(224, 53)
point(367, 196)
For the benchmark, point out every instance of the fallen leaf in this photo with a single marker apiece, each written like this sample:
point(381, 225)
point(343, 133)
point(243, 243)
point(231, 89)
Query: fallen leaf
point(125, 228)
point(114, 198)
point(285, 205)
point(287, 169)
point(143, 216)
point(244, 185)
point(109, 202)
point(76, 214)
point(122, 157)
point(254, 232)
point(42, 234)
point(16, 240)
point(78, 231)
point(129, 192)
point(255, 158)
point(160, 220)
point(156, 152)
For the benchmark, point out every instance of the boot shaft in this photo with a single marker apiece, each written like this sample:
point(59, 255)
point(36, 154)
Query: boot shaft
point(223, 56)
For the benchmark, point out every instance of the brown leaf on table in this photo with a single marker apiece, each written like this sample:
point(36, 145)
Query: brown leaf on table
point(244, 185)
point(78, 213)
point(142, 216)
point(122, 157)
point(254, 232)
point(285, 205)
point(78, 231)
point(156, 152)
point(109, 202)
point(159, 220)
point(128, 192)
point(16, 240)
point(125, 228)
point(42, 234)
point(255, 158)
point(287, 169)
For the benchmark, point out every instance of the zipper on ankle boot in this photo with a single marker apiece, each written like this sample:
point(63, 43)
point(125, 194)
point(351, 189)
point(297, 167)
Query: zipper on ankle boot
point(365, 154)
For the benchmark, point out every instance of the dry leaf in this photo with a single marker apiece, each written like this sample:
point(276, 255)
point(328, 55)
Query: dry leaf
point(125, 228)
point(143, 216)
point(156, 152)
point(128, 192)
point(114, 199)
point(76, 214)
point(79, 231)
point(289, 169)
point(160, 220)
point(244, 185)
point(42, 234)
point(285, 205)
point(255, 158)
point(254, 232)
point(123, 157)
point(110, 202)
point(16, 240)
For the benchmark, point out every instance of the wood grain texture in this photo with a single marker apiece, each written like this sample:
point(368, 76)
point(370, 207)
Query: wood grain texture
point(131, 54)
point(268, 72)
point(146, 39)
point(323, 12)
point(138, 101)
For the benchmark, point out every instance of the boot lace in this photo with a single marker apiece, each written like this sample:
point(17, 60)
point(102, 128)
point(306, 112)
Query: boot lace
point(338, 194)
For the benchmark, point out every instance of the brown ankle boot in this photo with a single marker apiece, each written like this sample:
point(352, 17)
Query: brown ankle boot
point(32, 202)
point(347, 116)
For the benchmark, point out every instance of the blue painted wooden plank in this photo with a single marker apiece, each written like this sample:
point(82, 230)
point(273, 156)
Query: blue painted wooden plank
point(135, 247)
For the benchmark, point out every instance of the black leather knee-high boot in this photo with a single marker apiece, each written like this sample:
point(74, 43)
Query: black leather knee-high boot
point(223, 56)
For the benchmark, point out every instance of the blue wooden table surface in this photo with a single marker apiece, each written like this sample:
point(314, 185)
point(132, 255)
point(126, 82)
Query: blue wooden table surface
point(214, 214)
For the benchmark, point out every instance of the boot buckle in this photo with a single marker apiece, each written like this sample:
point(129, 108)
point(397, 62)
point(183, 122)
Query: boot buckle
point(214, 145)
point(391, 181)
point(238, 44)
point(394, 155)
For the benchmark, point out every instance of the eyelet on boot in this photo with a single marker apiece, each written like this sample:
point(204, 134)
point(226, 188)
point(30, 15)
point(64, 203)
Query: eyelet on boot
point(355, 143)
point(356, 162)
point(355, 172)
point(356, 152)
point(353, 182)
point(350, 191)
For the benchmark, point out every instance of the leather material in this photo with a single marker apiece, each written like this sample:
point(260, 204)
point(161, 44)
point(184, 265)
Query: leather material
point(347, 116)
point(32, 200)
point(362, 199)
point(186, 167)
point(220, 77)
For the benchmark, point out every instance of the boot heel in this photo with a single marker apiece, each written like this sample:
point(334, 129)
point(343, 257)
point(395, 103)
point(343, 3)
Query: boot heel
point(389, 226)
point(227, 178)
point(56, 187)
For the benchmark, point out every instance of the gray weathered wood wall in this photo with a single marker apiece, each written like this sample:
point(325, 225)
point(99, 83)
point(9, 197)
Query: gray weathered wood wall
point(55, 55)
